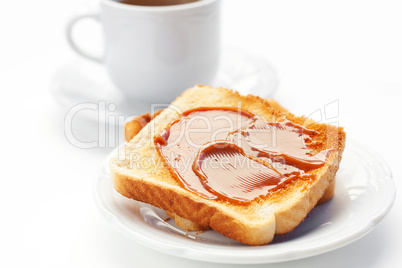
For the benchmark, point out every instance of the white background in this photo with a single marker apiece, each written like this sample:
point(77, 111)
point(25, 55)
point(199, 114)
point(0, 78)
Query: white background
point(323, 51)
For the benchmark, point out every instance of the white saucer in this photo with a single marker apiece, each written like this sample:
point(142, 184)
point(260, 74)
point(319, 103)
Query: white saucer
point(363, 196)
point(82, 81)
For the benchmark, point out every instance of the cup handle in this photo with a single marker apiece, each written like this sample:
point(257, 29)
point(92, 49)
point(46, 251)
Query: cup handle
point(69, 29)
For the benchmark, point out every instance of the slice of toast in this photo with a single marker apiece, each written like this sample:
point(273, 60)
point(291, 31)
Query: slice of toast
point(134, 125)
point(139, 173)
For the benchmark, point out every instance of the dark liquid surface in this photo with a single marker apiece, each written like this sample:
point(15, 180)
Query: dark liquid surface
point(156, 2)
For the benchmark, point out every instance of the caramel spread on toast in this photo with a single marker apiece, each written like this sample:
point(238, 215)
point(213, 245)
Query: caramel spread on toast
point(232, 155)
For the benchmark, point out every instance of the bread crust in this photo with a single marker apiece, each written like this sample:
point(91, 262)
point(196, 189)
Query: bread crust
point(254, 224)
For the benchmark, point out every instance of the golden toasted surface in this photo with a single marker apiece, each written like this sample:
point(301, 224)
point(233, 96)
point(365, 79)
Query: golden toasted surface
point(140, 174)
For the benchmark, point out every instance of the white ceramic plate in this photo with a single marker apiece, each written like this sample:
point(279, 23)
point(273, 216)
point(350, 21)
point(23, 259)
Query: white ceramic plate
point(81, 81)
point(364, 194)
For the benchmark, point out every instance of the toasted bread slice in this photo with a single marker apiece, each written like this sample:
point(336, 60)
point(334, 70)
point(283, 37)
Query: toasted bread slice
point(256, 223)
point(134, 125)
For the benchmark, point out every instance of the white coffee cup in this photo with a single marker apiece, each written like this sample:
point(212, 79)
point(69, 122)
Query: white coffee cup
point(153, 53)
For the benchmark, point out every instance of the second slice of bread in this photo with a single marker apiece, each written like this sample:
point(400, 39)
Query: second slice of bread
point(256, 223)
